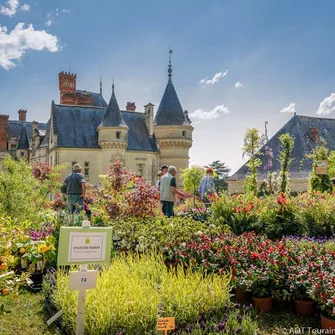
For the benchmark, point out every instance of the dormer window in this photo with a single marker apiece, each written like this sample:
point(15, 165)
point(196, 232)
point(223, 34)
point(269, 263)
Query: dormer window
point(118, 135)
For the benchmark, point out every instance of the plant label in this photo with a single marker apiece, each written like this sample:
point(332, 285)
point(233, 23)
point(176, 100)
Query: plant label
point(321, 167)
point(83, 280)
point(166, 324)
point(84, 245)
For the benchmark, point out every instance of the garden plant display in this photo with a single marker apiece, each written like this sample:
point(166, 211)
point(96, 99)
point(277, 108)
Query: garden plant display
point(276, 246)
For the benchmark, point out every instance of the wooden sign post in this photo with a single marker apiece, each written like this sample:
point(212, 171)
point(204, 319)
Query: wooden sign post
point(321, 167)
point(83, 246)
point(166, 324)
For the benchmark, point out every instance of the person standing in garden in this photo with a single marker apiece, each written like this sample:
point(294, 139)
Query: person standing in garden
point(207, 187)
point(168, 190)
point(75, 188)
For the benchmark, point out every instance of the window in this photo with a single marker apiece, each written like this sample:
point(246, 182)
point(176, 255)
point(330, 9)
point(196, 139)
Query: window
point(87, 164)
point(184, 133)
point(87, 171)
point(140, 170)
point(118, 134)
point(22, 153)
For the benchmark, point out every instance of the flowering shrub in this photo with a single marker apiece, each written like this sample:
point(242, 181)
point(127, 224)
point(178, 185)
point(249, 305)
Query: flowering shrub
point(278, 215)
point(123, 194)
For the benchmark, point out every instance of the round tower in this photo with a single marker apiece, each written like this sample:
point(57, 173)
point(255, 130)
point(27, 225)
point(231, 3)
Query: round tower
point(172, 128)
point(112, 134)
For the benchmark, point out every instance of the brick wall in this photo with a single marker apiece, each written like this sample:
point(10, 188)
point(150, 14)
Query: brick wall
point(3, 131)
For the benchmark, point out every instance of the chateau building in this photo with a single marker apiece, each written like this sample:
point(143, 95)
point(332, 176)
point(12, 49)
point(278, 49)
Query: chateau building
point(84, 129)
point(307, 133)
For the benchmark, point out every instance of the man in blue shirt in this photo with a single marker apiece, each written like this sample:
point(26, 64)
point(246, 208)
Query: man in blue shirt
point(207, 187)
point(75, 189)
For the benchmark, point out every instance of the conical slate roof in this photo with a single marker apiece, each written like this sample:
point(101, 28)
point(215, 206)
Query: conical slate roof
point(113, 116)
point(170, 111)
point(24, 141)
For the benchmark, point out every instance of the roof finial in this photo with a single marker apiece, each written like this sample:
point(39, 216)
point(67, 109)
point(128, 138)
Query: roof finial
point(113, 86)
point(100, 83)
point(170, 66)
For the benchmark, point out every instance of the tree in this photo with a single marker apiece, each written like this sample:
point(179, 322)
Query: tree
point(331, 164)
point(221, 172)
point(321, 183)
point(287, 144)
point(191, 178)
point(252, 145)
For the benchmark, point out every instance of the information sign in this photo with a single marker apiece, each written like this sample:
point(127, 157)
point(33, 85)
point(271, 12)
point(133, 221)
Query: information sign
point(165, 324)
point(321, 167)
point(84, 245)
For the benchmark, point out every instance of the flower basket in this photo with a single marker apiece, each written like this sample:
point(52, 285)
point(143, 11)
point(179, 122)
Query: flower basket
point(263, 304)
point(304, 307)
point(242, 296)
point(327, 324)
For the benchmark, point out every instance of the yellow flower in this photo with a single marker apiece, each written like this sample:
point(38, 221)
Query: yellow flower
point(22, 250)
point(44, 249)
point(3, 267)
point(5, 291)
point(25, 237)
point(7, 253)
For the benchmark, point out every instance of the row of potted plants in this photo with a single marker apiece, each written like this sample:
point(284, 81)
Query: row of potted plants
point(283, 269)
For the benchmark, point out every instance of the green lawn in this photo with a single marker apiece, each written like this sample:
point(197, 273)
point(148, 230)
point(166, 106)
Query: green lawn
point(27, 316)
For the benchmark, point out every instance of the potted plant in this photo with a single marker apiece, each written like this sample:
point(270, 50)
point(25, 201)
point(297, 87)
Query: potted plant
point(323, 292)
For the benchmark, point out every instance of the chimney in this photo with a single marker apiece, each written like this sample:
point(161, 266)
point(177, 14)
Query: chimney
point(3, 131)
point(314, 132)
point(67, 84)
point(22, 114)
point(130, 107)
point(149, 117)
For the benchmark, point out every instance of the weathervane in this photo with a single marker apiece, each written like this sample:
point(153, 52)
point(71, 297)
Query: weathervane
point(170, 66)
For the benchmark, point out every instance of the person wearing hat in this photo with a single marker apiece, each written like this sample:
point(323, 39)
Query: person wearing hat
point(75, 189)
point(207, 187)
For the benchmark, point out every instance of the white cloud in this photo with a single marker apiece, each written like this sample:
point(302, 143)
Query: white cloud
point(14, 44)
point(48, 23)
point(289, 109)
point(327, 105)
point(215, 78)
point(66, 10)
point(10, 8)
point(238, 85)
point(25, 7)
point(213, 114)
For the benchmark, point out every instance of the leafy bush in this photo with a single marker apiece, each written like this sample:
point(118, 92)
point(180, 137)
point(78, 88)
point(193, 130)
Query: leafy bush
point(122, 194)
point(22, 196)
point(133, 289)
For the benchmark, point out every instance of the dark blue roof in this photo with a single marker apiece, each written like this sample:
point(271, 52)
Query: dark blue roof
point(76, 127)
point(113, 116)
point(170, 111)
point(98, 100)
point(299, 128)
point(24, 141)
point(15, 127)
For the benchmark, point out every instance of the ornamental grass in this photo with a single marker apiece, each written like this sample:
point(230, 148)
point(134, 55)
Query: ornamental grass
point(135, 290)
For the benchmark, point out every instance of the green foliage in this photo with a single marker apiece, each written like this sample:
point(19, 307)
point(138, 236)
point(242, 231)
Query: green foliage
point(22, 196)
point(331, 164)
point(192, 177)
point(252, 145)
point(287, 143)
point(158, 233)
point(134, 289)
point(320, 183)
point(221, 172)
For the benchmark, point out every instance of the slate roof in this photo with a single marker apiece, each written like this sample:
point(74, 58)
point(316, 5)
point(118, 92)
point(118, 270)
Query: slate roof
point(15, 127)
point(299, 128)
point(98, 100)
point(24, 141)
point(170, 111)
point(76, 127)
point(113, 116)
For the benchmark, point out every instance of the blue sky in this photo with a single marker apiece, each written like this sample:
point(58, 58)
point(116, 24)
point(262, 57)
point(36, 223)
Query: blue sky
point(236, 63)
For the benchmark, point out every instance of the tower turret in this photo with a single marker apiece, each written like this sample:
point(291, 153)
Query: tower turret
point(113, 133)
point(172, 128)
